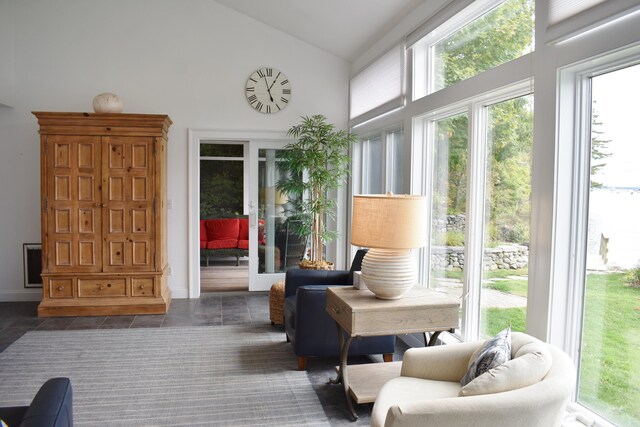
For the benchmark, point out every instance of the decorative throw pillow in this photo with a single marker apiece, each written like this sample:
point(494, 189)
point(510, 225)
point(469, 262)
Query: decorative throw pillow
point(492, 353)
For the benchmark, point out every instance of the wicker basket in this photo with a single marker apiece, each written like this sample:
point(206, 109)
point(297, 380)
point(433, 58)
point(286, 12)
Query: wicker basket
point(276, 303)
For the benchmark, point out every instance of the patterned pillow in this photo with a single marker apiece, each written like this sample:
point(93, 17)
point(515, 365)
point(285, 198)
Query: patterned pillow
point(492, 353)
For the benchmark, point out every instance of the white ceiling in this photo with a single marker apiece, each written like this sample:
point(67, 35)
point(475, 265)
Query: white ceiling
point(345, 28)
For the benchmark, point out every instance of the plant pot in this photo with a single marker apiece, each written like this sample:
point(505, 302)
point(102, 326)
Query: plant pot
point(311, 265)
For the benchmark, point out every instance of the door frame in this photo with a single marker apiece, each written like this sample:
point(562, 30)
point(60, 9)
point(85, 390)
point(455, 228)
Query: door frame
point(195, 137)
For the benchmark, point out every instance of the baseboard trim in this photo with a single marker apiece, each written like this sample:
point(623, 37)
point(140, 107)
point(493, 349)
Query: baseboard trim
point(21, 295)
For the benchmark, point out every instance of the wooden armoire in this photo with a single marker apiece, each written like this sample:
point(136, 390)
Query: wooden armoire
point(104, 214)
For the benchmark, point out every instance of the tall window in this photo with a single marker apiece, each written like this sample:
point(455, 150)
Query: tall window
point(479, 181)
point(449, 203)
point(507, 209)
point(609, 382)
point(381, 160)
point(478, 39)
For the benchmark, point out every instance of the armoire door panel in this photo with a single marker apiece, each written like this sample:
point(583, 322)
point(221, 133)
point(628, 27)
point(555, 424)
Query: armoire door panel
point(86, 221)
point(139, 188)
point(74, 200)
point(62, 155)
point(140, 253)
point(116, 221)
point(116, 155)
point(86, 156)
point(86, 184)
point(62, 220)
point(141, 219)
point(140, 156)
point(117, 189)
point(63, 252)
point(129, 204)
point(87, 253)
point(62, 188)
point(117, 253)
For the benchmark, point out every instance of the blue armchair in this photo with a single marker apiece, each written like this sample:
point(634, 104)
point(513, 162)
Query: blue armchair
point(309, 327)
point(52, 406)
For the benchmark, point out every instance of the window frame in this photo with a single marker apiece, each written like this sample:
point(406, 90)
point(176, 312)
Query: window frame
point(572, 168)
point(424, 135)
point(423, 50)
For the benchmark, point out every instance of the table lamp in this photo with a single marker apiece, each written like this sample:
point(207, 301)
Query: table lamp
point(390, 226)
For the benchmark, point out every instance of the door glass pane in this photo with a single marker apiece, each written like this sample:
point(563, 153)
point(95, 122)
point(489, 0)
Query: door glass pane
point(506, 217)
point(500, 35)
point(279, 246)
point(449, 188)
point(609, 381)
point(221, 181)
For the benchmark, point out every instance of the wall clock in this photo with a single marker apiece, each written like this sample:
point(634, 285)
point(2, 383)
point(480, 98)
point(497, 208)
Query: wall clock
point(268, 90)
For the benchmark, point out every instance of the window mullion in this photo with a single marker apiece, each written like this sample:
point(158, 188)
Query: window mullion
point(476, 176)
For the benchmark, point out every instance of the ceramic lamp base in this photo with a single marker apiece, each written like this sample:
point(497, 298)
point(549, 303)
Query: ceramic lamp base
point(389, 273)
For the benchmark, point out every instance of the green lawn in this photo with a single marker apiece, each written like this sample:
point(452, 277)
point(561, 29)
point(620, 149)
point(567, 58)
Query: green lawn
point(610, 370)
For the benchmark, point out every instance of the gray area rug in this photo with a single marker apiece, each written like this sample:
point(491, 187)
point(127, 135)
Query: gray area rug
point(186, 376)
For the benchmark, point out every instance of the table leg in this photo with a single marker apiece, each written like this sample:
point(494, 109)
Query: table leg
point(338, 378)
point(342, 370)
point(429, 342)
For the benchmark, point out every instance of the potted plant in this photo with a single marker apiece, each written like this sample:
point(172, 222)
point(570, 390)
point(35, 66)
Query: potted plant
point(316, 163)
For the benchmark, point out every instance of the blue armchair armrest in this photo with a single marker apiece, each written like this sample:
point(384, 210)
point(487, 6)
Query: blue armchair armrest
point(52, 406)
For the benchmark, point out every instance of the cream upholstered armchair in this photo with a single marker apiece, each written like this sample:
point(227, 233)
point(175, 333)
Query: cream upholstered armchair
point(532, 389)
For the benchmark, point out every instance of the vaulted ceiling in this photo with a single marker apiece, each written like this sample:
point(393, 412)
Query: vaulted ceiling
point(343, 27)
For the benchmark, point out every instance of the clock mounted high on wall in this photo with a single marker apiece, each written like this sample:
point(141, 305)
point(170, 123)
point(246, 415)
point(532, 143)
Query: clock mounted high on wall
point(268, 90)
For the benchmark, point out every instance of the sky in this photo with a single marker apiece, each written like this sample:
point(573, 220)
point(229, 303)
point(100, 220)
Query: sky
point(616, 96)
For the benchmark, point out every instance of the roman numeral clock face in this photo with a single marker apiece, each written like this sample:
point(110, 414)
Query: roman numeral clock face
point(268, 90)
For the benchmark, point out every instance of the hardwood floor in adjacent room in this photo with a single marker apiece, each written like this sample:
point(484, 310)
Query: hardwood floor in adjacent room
point(224, 276)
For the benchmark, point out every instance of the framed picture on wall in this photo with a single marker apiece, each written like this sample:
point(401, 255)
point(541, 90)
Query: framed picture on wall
point(32, 264)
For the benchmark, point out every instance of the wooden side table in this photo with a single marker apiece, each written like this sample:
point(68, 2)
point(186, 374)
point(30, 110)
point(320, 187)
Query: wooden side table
point(358, 313)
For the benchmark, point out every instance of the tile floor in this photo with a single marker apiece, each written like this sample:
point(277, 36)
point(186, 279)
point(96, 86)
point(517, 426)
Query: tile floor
point(211, 309)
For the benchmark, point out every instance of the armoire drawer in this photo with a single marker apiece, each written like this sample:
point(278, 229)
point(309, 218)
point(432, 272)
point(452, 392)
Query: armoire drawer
point(142, 287)
point(90, 288)
point(60, 288)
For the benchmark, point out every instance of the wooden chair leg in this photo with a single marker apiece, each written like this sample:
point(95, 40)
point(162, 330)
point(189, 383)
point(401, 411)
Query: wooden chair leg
point(302, 363)
point(387, 357)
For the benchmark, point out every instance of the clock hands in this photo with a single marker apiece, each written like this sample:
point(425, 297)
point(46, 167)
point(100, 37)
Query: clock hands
point(274, 82)
point(268, 87)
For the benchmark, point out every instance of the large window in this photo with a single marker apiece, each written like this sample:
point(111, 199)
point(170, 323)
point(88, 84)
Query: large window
point(479, 182)
point(609, 382)
point(479, 39)
point(448, 203)
point(507, 209)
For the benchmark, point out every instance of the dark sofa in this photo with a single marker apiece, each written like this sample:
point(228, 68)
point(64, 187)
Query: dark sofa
point(51, 407)
point(309, 327)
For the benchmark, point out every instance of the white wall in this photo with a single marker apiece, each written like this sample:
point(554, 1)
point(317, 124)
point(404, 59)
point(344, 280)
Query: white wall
point(6, 54)
point(187, 59)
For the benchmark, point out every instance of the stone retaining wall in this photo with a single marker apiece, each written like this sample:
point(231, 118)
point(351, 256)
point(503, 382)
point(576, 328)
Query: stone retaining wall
point(499, 258)
point(449, 223)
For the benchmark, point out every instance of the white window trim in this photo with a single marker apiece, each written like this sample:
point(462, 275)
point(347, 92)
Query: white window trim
point(573, 141)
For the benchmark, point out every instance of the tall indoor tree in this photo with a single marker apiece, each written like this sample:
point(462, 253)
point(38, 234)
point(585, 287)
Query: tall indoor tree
point(314, 165)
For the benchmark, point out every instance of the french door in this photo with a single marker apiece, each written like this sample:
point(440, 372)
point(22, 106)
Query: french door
point(273, 245)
